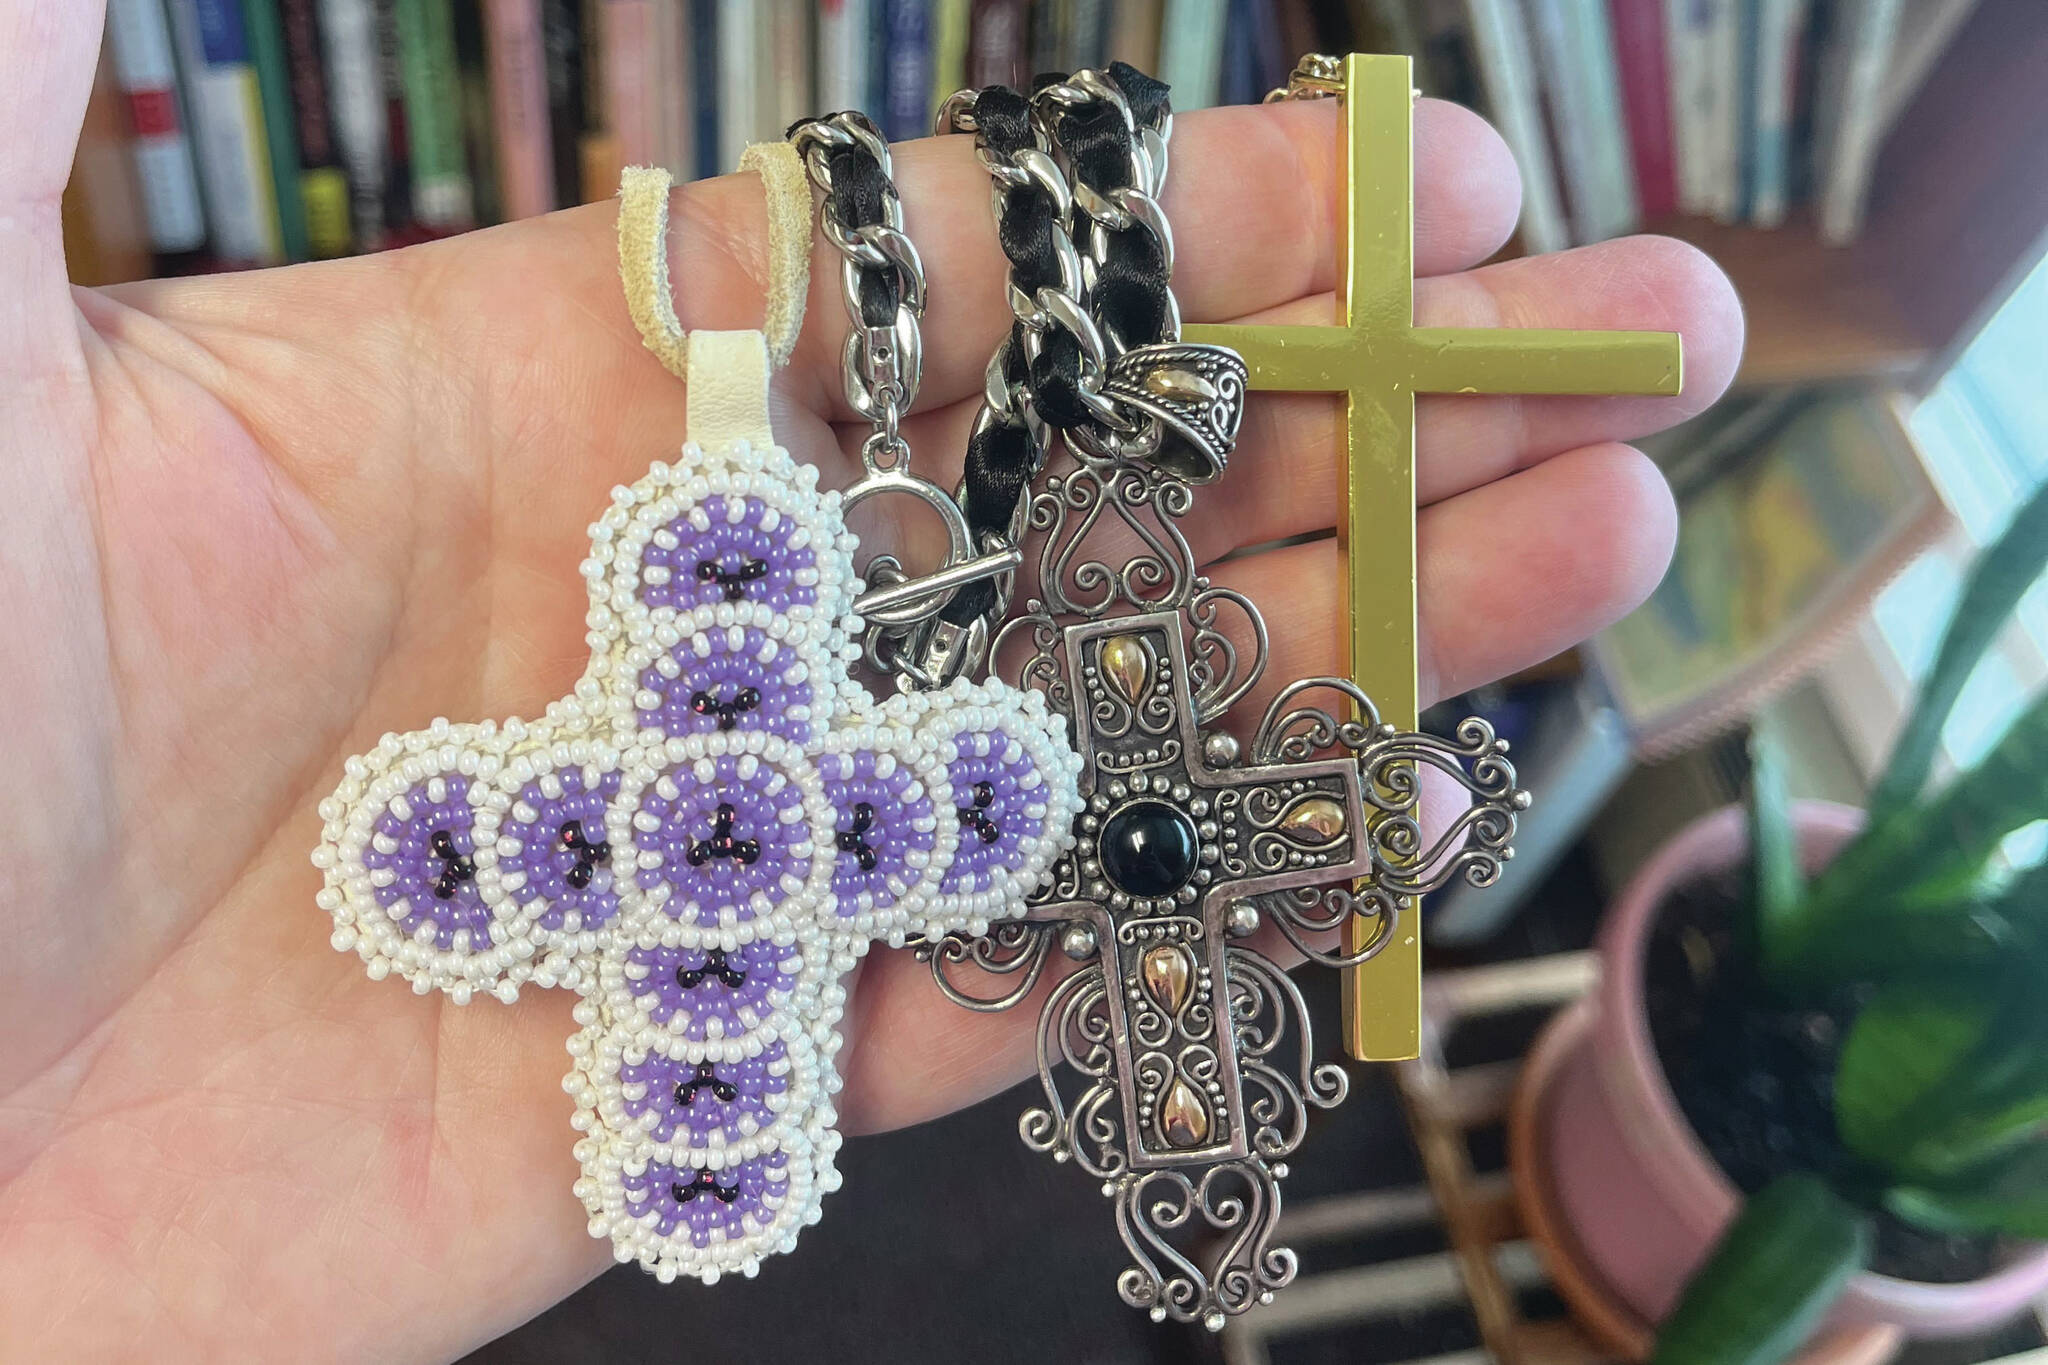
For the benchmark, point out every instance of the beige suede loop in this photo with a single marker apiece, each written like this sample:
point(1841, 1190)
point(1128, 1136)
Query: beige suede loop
point(643, 254)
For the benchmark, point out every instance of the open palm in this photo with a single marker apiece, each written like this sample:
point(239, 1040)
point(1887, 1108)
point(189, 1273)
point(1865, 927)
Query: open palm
point(250, 522)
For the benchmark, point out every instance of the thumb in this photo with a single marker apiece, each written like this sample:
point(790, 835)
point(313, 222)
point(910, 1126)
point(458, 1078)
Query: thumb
point(48, 49)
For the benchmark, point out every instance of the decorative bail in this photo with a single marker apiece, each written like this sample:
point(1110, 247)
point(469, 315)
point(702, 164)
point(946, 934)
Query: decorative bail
point(1191, 398)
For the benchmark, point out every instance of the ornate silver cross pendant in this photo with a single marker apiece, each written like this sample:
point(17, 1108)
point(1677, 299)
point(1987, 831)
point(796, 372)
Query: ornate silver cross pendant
point(1193, 1067)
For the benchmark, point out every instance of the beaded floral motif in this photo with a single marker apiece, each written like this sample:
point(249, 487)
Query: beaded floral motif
point(700, 840)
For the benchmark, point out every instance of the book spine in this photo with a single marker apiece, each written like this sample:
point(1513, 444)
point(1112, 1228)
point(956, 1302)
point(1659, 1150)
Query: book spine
point(227, 115)
point(348, 29)
point(876, 101)
point(561, 31)
point(105, 227)
point(675, 98)
point(1685, 54)
point(842, 55)
point(1087, 43)
point(953, 22)
point(433, 113)
point(1444, 69)
point(479, 142)
point(627, 28)
point(1748, 26)
point(1780, 23)
point(1191, 51)
point(905, 113)
point(263, 27)
point(323, 184)
point(598, 156)
point(704, 83)
point(996, 44)
point(399, 216)
point(1566, 93)
point(1134, 33)
point(1238, 82)
point(767, 102)
point(146, 73)
point(795, 43)
point(738, 97)
point(1724, 111)
point(1862, 50)
point(1509, 77)
point(519, 106)
point(1051, 21)
point(1615, 211)
point(1924, 32)
point(1639, 50)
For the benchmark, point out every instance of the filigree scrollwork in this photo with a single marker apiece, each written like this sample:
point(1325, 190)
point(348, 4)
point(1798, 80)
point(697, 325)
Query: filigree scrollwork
point(1266, 1010)
point(1292, 733)
point(1075, 1028)
point(1219, 672)
point(1476, 843)
point(1307, 915)
point(1240, 1198)
point(1143, 509)
point(1014, 948)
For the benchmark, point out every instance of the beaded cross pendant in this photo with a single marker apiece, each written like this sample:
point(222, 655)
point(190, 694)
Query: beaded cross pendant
point(700, 840)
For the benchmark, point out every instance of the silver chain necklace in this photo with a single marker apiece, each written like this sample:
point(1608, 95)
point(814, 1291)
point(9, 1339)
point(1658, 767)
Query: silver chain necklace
point(1189, 1066)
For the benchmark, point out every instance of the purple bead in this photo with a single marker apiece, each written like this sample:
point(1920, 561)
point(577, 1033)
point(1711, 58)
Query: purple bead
point(719, 1205)
point(878, 831)
point(685, 988)
point(552, 865)
point(751, 559)
point(700, 1100)
point(731, 688)
point(724, 841)
point(980, 857)
point(438, 890)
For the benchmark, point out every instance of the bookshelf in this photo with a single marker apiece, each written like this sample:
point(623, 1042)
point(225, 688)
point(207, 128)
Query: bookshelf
point(1958, 212)
point(1816, 314)
point(1958, 209)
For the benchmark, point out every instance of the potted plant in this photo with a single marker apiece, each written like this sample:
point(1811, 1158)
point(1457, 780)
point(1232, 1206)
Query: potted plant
point(1813, 1084)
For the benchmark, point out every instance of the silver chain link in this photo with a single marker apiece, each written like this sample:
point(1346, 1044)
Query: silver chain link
point(882, 368)
point(1084, 213)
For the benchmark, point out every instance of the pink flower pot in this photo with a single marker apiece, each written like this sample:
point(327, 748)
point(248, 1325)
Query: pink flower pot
point(1636, 1193)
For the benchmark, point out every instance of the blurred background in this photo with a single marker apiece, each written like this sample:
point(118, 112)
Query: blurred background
point(1872, 173)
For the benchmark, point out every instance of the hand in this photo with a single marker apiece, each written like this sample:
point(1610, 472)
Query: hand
point(250, 522)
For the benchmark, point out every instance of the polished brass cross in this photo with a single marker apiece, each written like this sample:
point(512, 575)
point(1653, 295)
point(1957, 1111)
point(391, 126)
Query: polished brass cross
point(1379, 359)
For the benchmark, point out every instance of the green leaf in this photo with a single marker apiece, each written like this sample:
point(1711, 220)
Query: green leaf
point(2002, 1104)
point(2010, 1198)
point(1770, 1280)
point(1902, 1047)
point(1932, 859)
point(1776, 884)
point(1934, 1083)
point(2002, 575)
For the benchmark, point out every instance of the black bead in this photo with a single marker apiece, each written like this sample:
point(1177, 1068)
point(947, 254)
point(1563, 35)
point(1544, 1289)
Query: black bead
point(1148, 848)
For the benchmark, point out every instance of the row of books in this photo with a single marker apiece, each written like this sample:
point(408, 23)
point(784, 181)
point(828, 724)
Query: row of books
point(1622, 112)
point(258, 131)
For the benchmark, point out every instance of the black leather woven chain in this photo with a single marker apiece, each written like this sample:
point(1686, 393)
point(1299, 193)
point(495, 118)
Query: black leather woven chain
point(1129, 301)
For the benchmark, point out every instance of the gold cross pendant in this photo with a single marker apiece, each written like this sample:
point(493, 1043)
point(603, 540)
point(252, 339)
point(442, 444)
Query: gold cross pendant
point(1379, 359)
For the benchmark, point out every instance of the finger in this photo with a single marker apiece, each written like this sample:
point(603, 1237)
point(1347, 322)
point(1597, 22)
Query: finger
point(1491, 603)
point(1464, 441)
point(47, 54)
point(1254, 198)
point(1295, 442)
point(1507, 575)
